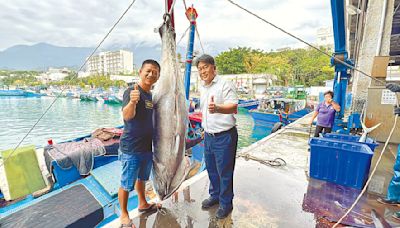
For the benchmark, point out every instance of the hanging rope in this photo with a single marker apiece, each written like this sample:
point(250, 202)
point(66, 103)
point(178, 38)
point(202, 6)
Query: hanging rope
point(183, 35)
point(198, 36)
point(353, 68)
point(184, 4)
point(370, 177)
point(70, 80)
point(373, 171)
point(307, 43)
point(172, 7)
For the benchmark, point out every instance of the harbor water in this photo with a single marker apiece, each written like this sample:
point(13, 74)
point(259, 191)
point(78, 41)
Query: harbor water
point(72, 118)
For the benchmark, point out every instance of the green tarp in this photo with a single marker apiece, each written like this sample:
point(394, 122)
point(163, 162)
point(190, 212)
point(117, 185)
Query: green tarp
point(22, 171)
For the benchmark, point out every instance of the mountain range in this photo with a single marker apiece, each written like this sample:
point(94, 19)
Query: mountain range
point(41, 56)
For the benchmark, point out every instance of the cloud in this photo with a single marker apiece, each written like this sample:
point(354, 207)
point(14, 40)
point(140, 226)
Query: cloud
point(221, 24)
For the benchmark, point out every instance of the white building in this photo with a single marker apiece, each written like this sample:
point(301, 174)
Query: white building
point(111, 62)
point(325, 38)
point(283, 49)
point(329, 83)
point(316, 90)
point(83, 74)
point(54, 74)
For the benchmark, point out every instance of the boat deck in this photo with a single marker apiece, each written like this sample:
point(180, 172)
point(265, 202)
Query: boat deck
point(67, 208)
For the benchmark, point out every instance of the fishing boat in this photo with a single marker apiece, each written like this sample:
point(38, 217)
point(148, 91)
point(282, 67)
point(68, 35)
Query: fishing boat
point(275, 92)
point(285, 109)
point(112, 99)
point(248, 104)
point(52, 185)
point(72, 94)
point(87, 97)
point(99, 98)
point(74, 183)
point(282, 110)
point(296, 92)
point(19, 93)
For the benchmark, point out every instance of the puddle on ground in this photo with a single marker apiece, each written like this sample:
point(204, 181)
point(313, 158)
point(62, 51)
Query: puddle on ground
point(276, 197)
point(263, 198)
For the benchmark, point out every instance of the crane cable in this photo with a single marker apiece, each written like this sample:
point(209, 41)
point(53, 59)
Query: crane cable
point(351, 67)
point(307, 43)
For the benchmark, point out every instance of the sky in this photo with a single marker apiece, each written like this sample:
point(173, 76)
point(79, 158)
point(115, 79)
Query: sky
point(77, 23)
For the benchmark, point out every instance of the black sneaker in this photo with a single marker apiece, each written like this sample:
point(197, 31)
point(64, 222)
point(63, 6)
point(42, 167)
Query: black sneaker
point(207, 203)
point(223, 212)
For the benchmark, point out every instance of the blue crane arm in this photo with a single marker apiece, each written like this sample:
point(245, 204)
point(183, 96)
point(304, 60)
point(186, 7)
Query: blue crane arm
point(341, 71)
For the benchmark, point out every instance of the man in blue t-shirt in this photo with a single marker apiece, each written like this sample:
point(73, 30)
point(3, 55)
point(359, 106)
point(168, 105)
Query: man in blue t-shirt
point(135, 151)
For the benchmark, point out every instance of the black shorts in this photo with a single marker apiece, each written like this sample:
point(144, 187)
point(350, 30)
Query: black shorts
point(319, 129)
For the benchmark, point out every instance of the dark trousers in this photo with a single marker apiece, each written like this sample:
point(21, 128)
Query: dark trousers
point(220, 156)
point(319, 129)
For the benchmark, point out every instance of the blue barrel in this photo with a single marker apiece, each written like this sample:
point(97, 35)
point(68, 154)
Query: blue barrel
point(352, 138)
point(343, 163)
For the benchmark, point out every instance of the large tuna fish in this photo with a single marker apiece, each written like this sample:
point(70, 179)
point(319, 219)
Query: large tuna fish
point(170, 121)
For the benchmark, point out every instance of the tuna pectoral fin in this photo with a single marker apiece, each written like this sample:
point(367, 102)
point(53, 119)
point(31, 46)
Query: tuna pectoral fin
point(177, 139)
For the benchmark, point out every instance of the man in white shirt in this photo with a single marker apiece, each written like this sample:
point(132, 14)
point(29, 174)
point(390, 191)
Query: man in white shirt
point(218, 102)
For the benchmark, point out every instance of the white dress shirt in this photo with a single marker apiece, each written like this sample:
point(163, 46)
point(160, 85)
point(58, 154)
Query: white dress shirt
point(224, 92)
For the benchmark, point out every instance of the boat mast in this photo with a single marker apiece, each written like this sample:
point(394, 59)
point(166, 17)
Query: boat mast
point(191, 14)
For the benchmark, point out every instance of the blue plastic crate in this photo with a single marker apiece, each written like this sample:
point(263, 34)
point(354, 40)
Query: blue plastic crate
point(344, 163)
point(352, 138)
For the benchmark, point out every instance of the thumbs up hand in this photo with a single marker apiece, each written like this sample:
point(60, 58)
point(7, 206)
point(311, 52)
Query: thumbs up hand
point(135, 95)
point(212, 107)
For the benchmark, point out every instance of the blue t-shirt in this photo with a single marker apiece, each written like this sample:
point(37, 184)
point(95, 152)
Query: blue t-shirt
point(326, 115)
point(138, 132)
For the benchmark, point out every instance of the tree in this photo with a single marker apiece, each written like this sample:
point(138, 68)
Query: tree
point(20, 78)
point(232, 61)
point(179, 57)
point(299, 66)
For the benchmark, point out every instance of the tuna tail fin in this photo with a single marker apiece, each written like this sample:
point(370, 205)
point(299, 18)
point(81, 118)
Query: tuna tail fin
point(367, 130)
point(378, 220)
point(167, 24)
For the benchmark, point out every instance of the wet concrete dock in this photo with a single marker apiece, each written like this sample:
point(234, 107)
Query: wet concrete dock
point(276, 196)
